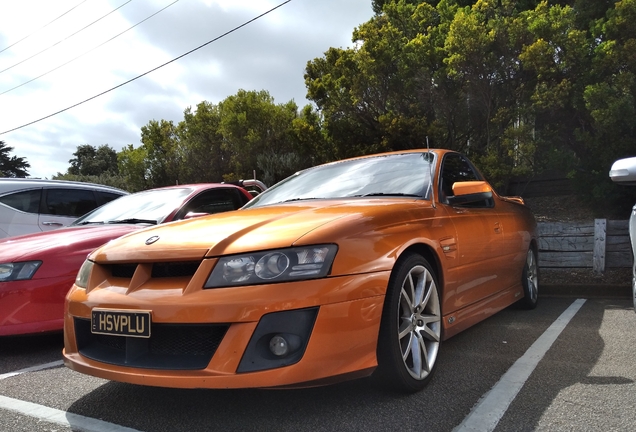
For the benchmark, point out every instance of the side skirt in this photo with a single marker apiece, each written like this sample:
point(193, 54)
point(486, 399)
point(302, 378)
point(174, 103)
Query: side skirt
point(462, 319)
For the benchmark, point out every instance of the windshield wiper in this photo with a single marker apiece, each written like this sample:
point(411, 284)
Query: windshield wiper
point(90, 223)
point(388, 194)
point(298, 199)
point(133, 221)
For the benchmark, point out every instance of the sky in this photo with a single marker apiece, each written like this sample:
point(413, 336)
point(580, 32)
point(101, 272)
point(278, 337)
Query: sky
point(56, 54)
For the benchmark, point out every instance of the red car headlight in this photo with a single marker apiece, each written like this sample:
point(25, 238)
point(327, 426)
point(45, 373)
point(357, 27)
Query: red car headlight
point(18, 271)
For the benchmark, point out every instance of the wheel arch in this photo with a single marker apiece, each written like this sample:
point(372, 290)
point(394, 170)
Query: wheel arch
point(431, 256)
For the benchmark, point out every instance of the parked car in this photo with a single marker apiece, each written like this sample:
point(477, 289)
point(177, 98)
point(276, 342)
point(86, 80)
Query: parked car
point(37, 270)
point(340, 270)
point(34, 205)
point(624, 172)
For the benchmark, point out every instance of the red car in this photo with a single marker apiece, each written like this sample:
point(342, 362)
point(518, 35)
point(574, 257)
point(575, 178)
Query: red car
point(37, 270)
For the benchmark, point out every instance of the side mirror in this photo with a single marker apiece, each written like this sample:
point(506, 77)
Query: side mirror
point(624, 171)
point(191, 215)
point(470, 192)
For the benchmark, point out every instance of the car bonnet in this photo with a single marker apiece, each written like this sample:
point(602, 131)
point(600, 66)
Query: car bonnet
point(35, 246)
point(252, 229)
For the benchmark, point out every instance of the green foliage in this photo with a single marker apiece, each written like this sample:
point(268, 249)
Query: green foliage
point(12, 166)
point(244, 134)
point(133, 168)
point(203, 158)
point(107, 179)
point(94, 165)
point(257, 131)
point(520, 86)
point(91, 161)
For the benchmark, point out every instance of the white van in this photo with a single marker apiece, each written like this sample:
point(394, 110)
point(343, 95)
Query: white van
point(33, 205)
point(624, 172)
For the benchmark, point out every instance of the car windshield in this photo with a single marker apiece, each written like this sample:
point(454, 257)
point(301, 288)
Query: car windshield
point(151, 207)
point(397, 175)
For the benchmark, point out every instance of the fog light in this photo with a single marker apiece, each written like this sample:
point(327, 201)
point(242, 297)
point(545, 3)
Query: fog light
point(278, 346)
point(279, 340)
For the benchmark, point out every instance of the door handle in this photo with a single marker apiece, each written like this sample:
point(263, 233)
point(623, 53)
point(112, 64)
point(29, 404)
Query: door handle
point(52, 223)
point(497, 228)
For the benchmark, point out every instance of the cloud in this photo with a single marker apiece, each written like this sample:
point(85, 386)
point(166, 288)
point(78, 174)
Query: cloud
point(268, 54)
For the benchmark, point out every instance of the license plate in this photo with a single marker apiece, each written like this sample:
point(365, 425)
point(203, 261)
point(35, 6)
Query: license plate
point(121, 322)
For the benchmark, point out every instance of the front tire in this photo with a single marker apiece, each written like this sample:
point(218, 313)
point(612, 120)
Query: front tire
point(410, 331)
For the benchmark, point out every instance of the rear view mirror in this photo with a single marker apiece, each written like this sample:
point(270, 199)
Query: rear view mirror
point(624, 171)
point(470, 192)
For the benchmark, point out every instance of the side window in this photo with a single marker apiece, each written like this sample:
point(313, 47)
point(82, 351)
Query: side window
point(106, 197)
point(26, 201)
point(69, 202)
point(456, 168)
point(214, 201)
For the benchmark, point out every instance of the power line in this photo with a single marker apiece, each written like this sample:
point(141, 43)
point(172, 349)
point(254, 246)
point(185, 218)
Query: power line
point(68, 37)
point(151, 70)
point(45, 25)
point(86, 52)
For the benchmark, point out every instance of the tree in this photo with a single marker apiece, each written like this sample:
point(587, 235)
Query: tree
point(201, 148)
point(521, 86)
point(134, 168)
point(259, 135)
point(163, 160)
point(244, 133)
point(91, 161)
point(12, 166)
point(380, 95)
point(610, 101)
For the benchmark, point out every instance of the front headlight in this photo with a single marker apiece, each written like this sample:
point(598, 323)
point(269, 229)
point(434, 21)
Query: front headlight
point(84, 272)
point(282, 265)
point(18, 271)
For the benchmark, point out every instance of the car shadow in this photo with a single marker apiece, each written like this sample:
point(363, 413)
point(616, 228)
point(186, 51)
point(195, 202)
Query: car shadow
point(468, 366)
point(19, 352)
point(573, 368)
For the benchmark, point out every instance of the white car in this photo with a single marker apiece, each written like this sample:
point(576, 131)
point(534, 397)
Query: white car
point(33, 205)
point(624, 172)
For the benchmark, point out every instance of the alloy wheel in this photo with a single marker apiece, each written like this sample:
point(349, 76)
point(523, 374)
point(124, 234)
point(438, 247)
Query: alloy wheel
point(419, 322)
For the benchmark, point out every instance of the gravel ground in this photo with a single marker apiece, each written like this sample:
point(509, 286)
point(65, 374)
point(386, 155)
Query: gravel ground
point(584, 276)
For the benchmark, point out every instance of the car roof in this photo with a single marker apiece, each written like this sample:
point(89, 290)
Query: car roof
point(9, 184)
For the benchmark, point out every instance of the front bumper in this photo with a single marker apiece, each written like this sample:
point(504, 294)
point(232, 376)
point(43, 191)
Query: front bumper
point(341, 340)
point(33, 306)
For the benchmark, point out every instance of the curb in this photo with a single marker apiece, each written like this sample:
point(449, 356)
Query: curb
point(585, 290)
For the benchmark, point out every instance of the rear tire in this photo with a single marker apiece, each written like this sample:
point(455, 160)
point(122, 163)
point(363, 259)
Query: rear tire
point(634, 288)
point(530, 281)
point(411, 327)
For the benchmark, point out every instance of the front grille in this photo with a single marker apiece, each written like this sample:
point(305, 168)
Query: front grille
point(170, 346)
point(123, 270)
point(177, 269)
point(159, 270)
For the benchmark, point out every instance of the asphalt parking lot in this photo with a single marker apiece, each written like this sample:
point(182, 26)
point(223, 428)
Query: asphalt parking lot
point(568, 365)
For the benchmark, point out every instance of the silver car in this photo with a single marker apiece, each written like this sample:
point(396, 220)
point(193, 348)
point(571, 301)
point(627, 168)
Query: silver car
point(33, 205)
point(624, 172)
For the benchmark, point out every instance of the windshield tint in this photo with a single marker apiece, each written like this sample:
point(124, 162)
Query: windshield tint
point(388, 175)
point(149, 205)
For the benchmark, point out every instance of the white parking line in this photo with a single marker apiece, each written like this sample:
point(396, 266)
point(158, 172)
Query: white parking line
point(493, 405)
point(51, 415)
point(32, 369)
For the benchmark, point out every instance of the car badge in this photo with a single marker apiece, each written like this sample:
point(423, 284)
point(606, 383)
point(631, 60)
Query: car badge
point(152, 239)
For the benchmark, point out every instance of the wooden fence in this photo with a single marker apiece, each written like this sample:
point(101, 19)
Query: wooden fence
point(599, 244)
